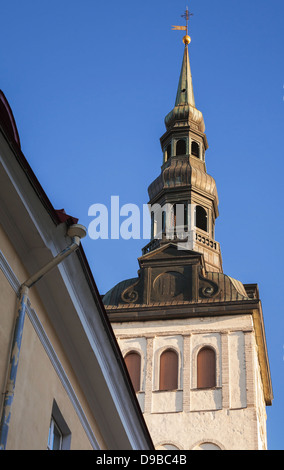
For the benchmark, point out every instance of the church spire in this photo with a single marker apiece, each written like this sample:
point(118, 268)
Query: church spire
point(184, 181)
point(184, 111)
point(185, 94)
point(185, 89)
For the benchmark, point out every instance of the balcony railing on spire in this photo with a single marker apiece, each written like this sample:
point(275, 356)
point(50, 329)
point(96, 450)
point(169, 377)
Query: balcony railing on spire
point(180, 235)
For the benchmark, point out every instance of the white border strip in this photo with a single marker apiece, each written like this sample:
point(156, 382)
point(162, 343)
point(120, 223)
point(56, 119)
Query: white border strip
point(15, 284)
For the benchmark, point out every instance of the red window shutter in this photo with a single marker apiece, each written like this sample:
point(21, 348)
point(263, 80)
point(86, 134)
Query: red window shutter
point(168, 370)
point(206, 368)
point(133, 364)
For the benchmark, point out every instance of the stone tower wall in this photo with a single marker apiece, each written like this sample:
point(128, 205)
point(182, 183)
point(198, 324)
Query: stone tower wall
point(228, 416)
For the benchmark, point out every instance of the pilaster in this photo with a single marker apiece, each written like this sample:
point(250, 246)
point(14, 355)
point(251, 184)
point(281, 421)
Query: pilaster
point(225, 376)
point(250, 373)
point(149, 376)
point(186, 372)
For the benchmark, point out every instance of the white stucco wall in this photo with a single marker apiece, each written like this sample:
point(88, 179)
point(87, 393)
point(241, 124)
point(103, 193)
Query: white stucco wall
point(228, 416)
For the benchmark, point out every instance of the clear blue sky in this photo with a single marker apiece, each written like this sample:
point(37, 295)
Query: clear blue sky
point(90, 83)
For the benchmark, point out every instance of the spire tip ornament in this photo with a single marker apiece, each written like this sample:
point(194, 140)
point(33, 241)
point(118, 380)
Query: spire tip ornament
point(186, 39)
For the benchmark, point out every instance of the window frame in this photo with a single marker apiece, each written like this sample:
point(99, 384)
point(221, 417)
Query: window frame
point(178, 142)
point(198, 206)
point(195, 144)
point(137, 353)
point(59, 422)
point(167, 152)
point(53, 425)
point(198, 373)
point(171, 389)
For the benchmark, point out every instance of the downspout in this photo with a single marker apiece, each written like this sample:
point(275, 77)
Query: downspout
point(76, 232)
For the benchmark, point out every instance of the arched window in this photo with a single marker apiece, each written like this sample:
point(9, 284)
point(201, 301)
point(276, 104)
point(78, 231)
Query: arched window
point(201, 218)
point(195, 149)
point(168, 152)
point(152, 225)
point(133, 364)
point(168, 370)
point(179, 216)
point(206, 368)
point(207, 446)
point(181, 147)
point(167, 447)
point(164, 221)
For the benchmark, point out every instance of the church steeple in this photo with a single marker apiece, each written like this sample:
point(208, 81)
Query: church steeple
point(192, 337)
point(185, 94)
point(185, 111)
point(183, 179)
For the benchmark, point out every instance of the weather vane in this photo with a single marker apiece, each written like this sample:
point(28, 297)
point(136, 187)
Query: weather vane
point(186, 39)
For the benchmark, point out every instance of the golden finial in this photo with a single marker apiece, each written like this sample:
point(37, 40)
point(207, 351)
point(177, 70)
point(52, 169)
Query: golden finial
point(186, 39)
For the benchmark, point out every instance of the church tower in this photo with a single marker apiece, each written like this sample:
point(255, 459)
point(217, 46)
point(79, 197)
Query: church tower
point(192, 337)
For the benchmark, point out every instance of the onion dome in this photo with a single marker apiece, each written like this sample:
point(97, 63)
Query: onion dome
point(180, 172)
